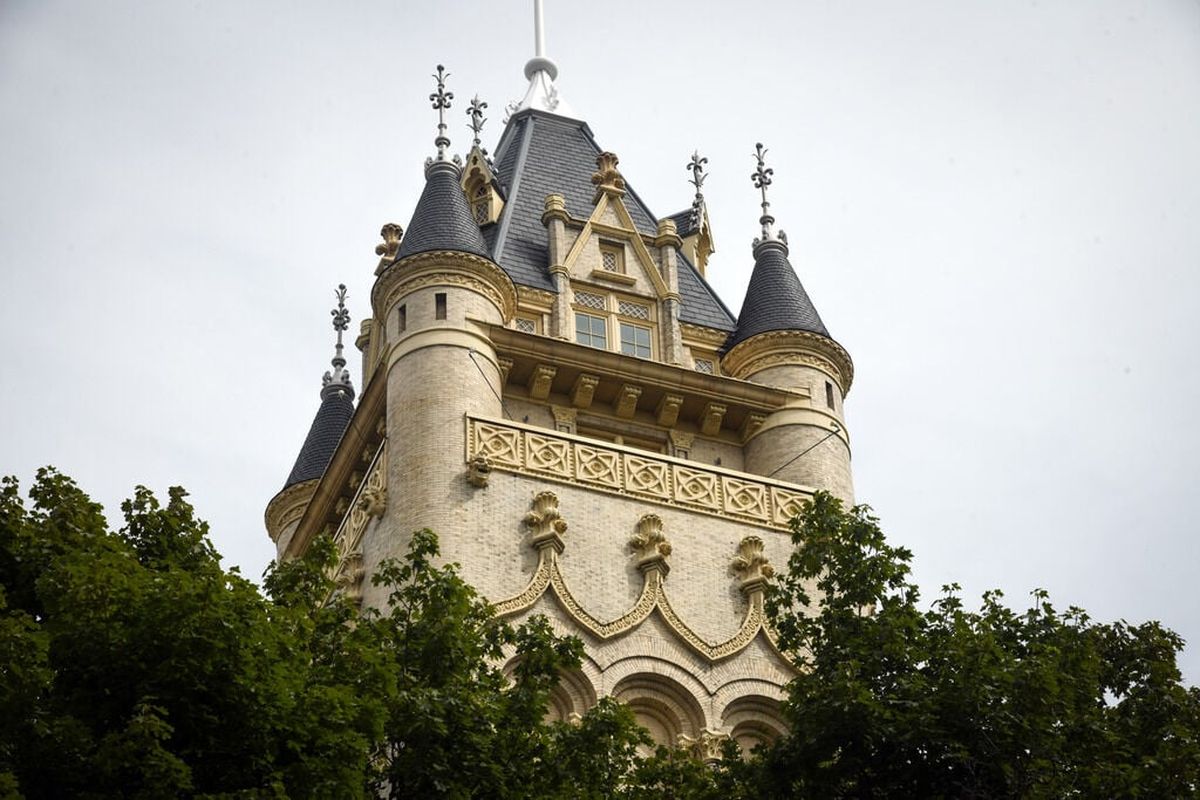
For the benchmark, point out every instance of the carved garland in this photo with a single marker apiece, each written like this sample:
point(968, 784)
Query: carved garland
point(652, 549)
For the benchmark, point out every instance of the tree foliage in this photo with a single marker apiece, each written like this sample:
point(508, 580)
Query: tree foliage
point(133, 664)
point(896, 701)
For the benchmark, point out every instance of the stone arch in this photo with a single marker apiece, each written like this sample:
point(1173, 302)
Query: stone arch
point(662, 706)
point(571, 698)
point(752, 720)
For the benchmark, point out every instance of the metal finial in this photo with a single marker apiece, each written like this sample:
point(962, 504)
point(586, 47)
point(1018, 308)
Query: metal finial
point(441, 101)
point(339, 378)
point(762, 179)
point(475, 112)
point(696, 165)
point(341, 321)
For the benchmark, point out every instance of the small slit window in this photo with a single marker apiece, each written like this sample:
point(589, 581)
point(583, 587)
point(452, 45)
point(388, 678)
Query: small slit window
point(402, 318)
point(439, 305)
point(612, 258)
point(829, 394)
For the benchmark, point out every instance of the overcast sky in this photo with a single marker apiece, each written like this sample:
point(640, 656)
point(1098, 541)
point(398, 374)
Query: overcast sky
point(994, 205)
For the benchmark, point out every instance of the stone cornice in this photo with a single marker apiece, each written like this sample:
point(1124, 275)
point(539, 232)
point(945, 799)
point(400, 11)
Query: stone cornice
point(776, 348)
point(713, 337)
point(288, 506)
point(444, 267)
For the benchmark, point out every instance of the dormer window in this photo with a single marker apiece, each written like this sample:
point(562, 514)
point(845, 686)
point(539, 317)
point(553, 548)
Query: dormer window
point(481, 206)
point(612, 258)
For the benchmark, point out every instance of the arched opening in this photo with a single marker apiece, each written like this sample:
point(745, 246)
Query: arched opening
point(663, 707)
point(753, 720)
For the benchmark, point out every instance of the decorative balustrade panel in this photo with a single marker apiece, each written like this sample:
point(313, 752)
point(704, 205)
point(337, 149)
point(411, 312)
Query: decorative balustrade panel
point(510, 447)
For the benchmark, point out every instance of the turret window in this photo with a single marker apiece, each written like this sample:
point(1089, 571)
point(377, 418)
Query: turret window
point(829, 394)
point(439, 305)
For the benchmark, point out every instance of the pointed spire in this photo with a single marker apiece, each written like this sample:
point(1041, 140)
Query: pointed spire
point(775, 299)
point(541, 73)
point(337, 407)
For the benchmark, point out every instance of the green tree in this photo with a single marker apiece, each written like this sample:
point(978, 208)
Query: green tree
point(133, 664)
point(895, 701)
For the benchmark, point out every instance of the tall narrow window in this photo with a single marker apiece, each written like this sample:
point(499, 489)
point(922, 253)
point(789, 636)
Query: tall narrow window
point(591, 331)
point(402, 318)
point(439, 305)
point(829, 394)
point(635, 340)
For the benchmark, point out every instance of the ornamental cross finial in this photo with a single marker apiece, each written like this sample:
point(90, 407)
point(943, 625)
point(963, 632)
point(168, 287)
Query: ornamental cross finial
point(696, 165)
point(475, 112)
point(441, 101)
point(339, 377)
point(762, 179)
point(341, 320)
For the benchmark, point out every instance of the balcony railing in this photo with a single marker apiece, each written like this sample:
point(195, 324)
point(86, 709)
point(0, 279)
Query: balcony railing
point(606, 467)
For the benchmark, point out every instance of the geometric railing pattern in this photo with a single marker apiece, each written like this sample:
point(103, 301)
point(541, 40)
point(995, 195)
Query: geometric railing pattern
point(606, 467)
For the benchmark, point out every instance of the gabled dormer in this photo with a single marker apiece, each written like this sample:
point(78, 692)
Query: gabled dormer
point(481, 188)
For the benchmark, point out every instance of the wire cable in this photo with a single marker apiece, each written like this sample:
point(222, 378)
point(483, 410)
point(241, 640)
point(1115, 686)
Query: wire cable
point(503, 407)
point(830, 435)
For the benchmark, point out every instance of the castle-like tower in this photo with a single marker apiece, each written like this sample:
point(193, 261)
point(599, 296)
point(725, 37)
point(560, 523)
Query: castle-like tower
point(550, 384)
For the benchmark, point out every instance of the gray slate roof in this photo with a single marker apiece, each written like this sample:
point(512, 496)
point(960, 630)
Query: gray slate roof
point(442, 220)
point(337, 407)
point(685, 222)
point(775, 299)
point(542, 153)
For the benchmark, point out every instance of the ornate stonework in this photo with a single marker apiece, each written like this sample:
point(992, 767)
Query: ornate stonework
point(651, 548)
point(522, 449)
point(369, 502)
point(777, 348)
point(445, 268)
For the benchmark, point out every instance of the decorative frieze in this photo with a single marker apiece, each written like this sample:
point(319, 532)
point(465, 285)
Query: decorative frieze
point(551, 455)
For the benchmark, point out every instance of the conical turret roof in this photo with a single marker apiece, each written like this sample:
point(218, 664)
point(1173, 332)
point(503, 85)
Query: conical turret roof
point(775, 299)
point(442, 220)
point(333, 417)
point(337, 407)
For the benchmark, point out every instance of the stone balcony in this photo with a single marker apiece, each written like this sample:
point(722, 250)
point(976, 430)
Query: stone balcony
point(638, 474)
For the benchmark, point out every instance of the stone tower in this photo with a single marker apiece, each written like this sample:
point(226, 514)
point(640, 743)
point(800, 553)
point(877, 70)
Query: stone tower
point(550, 384)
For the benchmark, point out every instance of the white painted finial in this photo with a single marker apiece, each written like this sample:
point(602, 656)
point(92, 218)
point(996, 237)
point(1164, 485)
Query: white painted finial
point(541, 72)
point(539, 30)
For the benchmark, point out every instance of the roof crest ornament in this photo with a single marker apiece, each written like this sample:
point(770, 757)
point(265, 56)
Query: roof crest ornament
point(475, 112)
point(339, 379)
point(762, 179)
point(696, 165)
point(441, 101)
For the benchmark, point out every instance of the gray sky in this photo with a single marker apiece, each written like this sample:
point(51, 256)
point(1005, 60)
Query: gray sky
point(994, 205)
